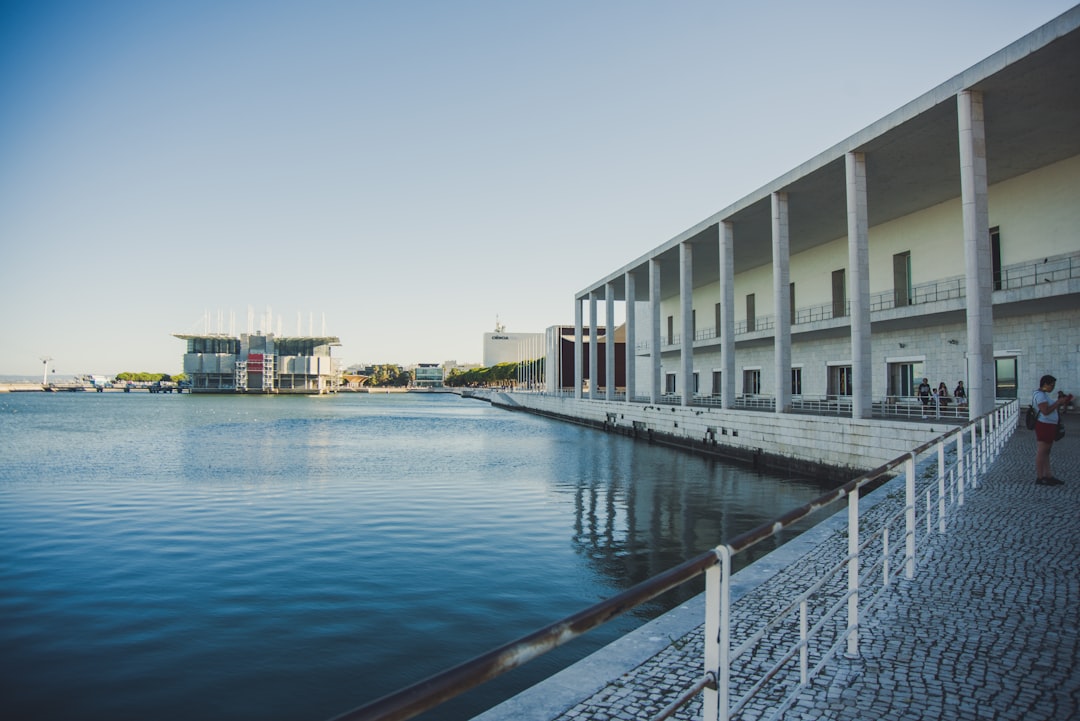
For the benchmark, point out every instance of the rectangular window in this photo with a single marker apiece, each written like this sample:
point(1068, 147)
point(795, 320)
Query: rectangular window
point(716, 385)
point(719, 320)
point(1005, 377)
point(669, 383)
point(671, 330)
point(693, 323)
point(750, 313)
point(839, 381)
point(901, 271)
point(995, 255)
point(839, 293)
point(697, 386)
point(751, 382)
point(796, 381)
point(791, 302)
point(904, 378)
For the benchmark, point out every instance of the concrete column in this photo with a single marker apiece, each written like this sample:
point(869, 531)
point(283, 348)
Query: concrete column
point(727, 314)
point(577, 348)
point(781, 301)
point(609, 341)
point(654, 303)
point(593, 345)
point(631, 336)
point(686, 303)
point(979, 277)
point(858, 224)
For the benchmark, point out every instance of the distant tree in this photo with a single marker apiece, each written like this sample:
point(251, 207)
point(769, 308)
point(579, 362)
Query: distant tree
point(477, 377)
point(130, 377)
point(389, 375)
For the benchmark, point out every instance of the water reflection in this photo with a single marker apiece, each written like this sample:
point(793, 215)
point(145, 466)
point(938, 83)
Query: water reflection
point(639, 510)
point(350, 545)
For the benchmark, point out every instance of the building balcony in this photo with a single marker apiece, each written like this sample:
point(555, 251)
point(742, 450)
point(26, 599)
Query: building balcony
point(1050, 278)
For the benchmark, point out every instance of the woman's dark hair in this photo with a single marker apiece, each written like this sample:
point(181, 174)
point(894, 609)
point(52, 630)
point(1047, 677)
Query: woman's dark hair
point(1047, 379)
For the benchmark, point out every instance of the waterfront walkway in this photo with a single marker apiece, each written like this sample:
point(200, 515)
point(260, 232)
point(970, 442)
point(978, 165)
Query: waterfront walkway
point(987, 628)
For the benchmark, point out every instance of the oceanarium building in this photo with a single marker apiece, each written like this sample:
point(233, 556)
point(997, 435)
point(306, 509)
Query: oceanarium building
point(941, 242)
point(260, 363)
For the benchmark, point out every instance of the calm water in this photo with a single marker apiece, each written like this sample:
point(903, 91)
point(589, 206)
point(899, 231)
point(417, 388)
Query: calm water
point(182, 557)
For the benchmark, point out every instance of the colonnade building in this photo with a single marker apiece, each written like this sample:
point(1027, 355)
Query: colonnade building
point(942, 241)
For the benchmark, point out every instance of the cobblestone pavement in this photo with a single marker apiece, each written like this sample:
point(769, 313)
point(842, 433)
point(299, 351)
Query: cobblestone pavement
point(987, 628)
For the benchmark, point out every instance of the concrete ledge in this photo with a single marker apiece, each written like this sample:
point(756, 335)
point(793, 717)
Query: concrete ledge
point(835, 448)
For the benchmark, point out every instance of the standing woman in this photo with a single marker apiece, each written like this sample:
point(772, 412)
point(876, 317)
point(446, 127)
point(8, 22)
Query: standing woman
point(1046, 428)
point(960, 394)
point(943, 393)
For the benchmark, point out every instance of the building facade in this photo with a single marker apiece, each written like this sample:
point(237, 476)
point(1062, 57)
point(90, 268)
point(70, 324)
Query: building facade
point(560, 372)
point(941, 242)
point(260, 363)
point(428, 375)
point(503, 347)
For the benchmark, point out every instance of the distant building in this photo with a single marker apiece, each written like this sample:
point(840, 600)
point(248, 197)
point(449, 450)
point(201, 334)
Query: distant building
point(260, 363)
point(452, 366)
point(503, 347)
point(560, 374)
point(428, 375)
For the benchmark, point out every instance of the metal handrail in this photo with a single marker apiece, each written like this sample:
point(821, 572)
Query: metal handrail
point(995, 427)
point(424, 695)
point(1011, 277)
point(441, 687)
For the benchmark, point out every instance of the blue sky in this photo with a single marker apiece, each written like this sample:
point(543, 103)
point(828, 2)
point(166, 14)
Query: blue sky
point(407, 170)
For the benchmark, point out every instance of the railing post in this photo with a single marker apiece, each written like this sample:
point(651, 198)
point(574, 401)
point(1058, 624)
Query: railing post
point(983, 451)
point(994, 434)
point(853, 574)
point(961, 467)
point(941, 485)
point(909, 515)
point(716, 702)
point(974, 466)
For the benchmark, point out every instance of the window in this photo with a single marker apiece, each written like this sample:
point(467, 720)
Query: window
point(839, 381)
point(750, 313)
point(717, 376)
point(1005, 377)
point(697, 386)
point(839, 293)
point(719, 320)
point(671, 330)
point(751, 382)
point(904, 378)
point(669, 383)
point(901, 271)
point(693, 323)
point(796, 381)
point(995, 255)
point(791, 302)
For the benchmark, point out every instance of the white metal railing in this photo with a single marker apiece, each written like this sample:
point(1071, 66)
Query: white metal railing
point(827, 611)
point(910, 407)
point(1019, 275)
point(823, 619)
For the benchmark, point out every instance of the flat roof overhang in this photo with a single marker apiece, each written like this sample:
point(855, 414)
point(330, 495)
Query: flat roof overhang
point(1031, 108)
